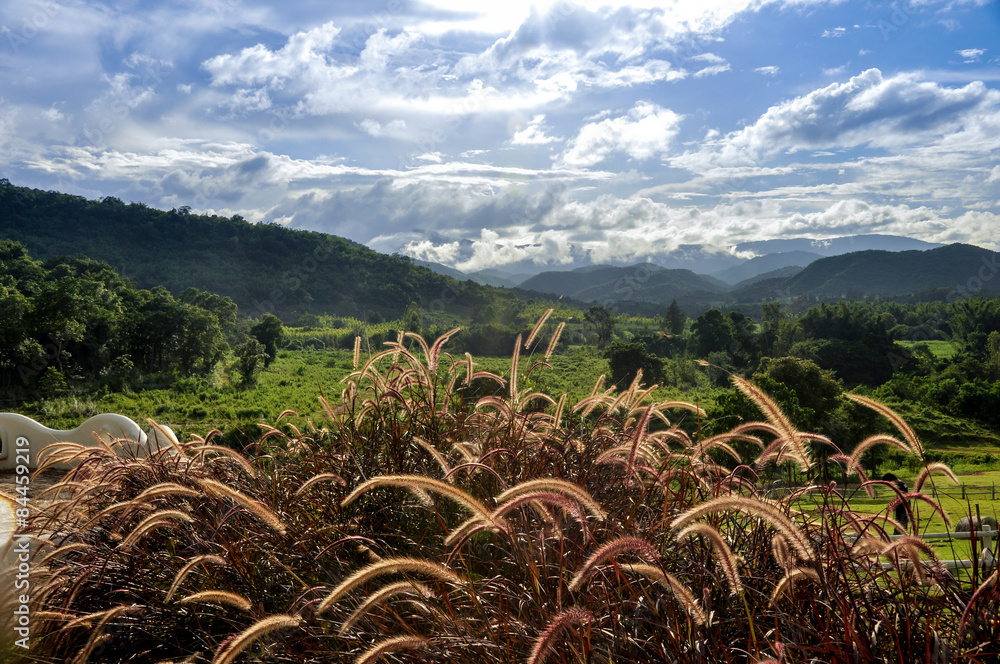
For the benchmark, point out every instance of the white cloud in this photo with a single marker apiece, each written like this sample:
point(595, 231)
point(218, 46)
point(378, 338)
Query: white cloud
point(868, 109)
point(834, 32)
point(770, 70)
point(533, 133)
point(645, 132)
point(305, 53)
point(712, 71)
point(393, 129)
point(708, 57)
point(970, 55)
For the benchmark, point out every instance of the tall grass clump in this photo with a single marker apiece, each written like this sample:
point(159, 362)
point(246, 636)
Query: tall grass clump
point(447, 514)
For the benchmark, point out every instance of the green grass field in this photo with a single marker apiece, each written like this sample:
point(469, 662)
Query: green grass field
point(944, 350)
point(979, 492)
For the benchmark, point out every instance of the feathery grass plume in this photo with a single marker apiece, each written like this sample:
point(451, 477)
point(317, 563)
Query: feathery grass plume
point(613, 549)
point(753, 507)
point(436, 455)
point(169, 436)
point(679, 590)
point(117, 507)
point(911, 437)
point(411, 588)
point(184, 571)
point(776, 417)
point(166, 489)
point(538, 326)
point(229, 652)
point(164, 518)
point(872, 441)
point(322, 477)
point(469, 368)
point(792, 577)
point(935, 467)
point(257, 508)
point(900, 499)
point(357, 352)
point(547, 639)
point(390, 645)
point(228, 453)
point(465, 529)
point(637, 436)
point(780, 551)
point(61, 551)
point(557, 416)
point(983, 587)
point(97, 635)
point(513, 369)
point(546, 497)
point(554, 340)
point(217, 597)
point(388, 566)
point(88, 620)
point(420, 482)
point(559, 486)
point(697, 410)
point(725, 555)
point(435, 350)
point(911, 546)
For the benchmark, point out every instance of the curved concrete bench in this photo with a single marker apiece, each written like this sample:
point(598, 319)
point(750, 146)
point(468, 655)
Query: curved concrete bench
point(13, 427)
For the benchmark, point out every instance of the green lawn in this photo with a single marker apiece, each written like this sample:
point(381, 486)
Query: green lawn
point(979, 492)
point(943, 350)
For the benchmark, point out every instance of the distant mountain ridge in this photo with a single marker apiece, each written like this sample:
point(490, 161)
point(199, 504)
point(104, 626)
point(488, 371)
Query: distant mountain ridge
point(766, 264)
point(889, 274)
point(643, 282)
point(836, 246)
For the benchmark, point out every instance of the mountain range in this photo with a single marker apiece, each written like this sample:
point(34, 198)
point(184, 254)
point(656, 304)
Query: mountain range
point(266, 267)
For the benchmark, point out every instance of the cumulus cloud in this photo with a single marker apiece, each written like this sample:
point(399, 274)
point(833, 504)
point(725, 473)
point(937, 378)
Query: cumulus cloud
point(533, 133)
point(869, 109)
point(643, 133)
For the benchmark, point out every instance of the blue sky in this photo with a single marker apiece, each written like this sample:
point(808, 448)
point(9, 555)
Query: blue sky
point(518, 134)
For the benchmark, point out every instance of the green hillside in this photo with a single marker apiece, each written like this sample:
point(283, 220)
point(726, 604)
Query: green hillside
point(263, 268)
point(888, 274)
point(637, 283)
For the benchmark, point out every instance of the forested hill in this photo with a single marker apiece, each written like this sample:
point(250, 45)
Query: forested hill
point(885, 273)
point(263, 268)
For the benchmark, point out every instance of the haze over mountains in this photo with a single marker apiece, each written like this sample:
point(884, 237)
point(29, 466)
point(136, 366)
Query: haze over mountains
point(747, 261)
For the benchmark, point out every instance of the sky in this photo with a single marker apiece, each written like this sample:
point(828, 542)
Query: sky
point(518, 135)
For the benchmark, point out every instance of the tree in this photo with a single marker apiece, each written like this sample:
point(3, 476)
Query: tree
point(712, 331)
point(626, 359)
point(268, 331)
point(603, 322)
point(251, 358)
point(675, 319)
